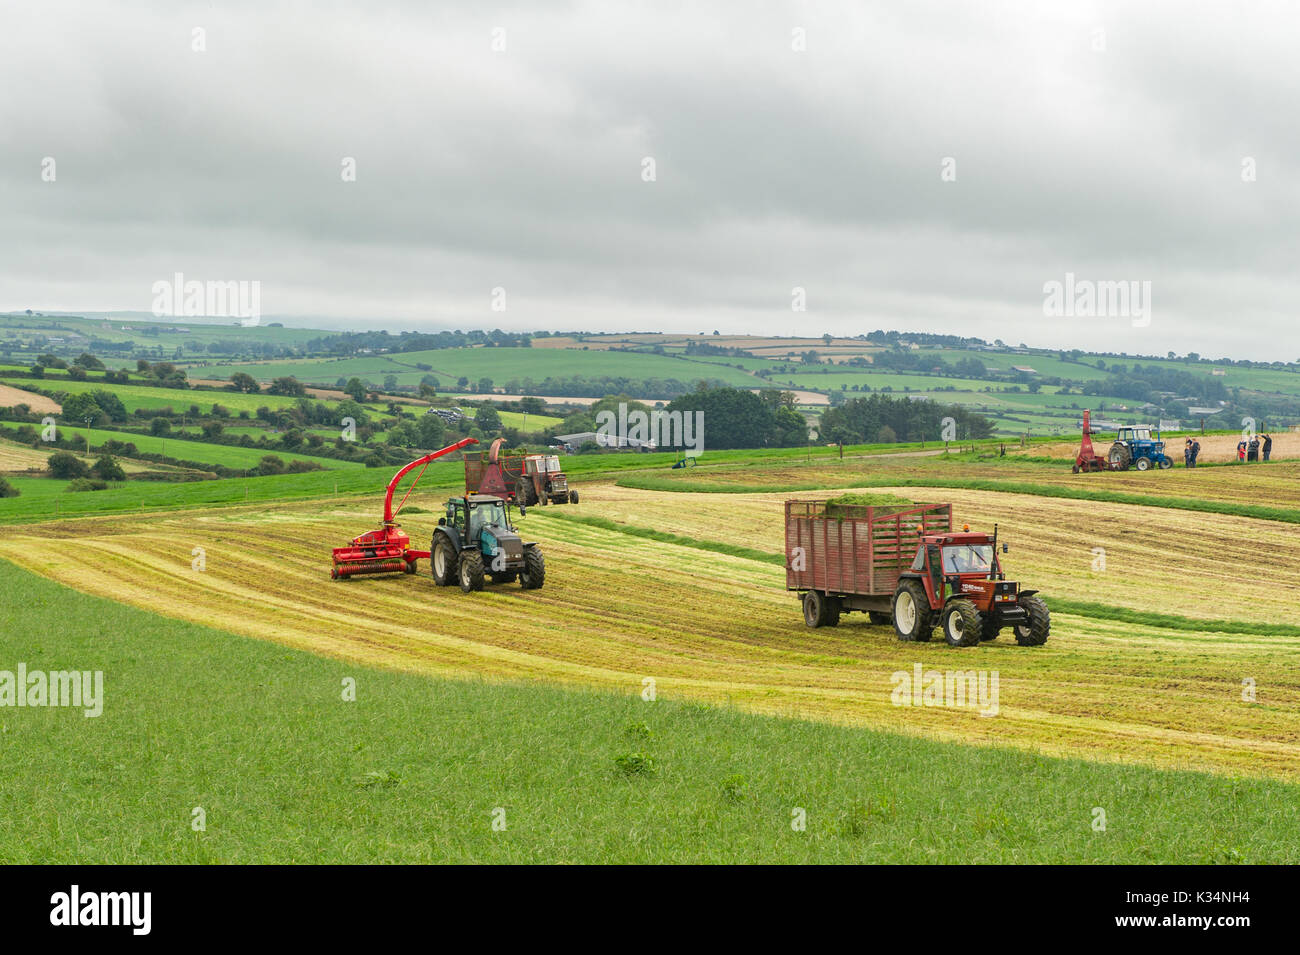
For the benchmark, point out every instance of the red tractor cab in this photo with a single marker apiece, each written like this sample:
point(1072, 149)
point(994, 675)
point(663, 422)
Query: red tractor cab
point(956, 581)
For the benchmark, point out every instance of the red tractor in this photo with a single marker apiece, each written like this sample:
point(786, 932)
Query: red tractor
point(956, 581)
point(904, 563)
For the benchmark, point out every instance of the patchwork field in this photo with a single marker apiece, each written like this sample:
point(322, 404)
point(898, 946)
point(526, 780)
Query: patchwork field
point(618, 609)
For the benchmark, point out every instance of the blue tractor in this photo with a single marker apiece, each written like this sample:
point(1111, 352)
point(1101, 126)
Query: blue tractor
point(1136, 448)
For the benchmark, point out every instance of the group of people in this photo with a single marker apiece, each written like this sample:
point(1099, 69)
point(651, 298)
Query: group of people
point(1190, 450)
point(1250, 450)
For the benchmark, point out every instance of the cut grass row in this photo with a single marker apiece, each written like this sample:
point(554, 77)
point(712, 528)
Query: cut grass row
point(1080, 608)
point(1258, 511)
point(417, 769)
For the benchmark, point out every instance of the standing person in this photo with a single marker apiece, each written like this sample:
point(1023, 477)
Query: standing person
point(1267, 445)
point(1196, 450)
point(1241, 452)
point(1252, 454)
point(1187, 453)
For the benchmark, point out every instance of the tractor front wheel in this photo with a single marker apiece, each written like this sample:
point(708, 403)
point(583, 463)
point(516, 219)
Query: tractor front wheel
point(442, 562)
point(961, 624)
point(1034, 633)
point(989, 626)
point(1166, 463)
point(471, 570)
point(534, 573)
point(913, 619)
point(879, 618)
point(573, 497)
point(1142, 464)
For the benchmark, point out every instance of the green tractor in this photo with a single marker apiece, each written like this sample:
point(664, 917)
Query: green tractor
point(477, 540)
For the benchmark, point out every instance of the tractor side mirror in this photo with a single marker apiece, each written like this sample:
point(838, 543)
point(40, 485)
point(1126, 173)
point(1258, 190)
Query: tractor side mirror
point(522, 510)
point(442, 522)
point(1004, 547)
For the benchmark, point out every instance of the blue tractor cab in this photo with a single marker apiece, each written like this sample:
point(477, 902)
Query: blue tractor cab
point(1140, 448)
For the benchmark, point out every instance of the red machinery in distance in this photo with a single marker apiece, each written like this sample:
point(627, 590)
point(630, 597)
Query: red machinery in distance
point(1087, 459)
point(387, 550)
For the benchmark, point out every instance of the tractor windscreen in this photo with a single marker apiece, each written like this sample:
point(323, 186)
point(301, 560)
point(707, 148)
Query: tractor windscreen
point(967, 558)
point(481, 514)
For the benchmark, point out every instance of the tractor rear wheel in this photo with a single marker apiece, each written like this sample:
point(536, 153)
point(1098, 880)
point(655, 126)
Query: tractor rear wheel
point(913, 618)
point(534, 573)
point(1119, 456)
point(471, 570)
point(1034, 633)
point(961, 624)
point(525, 493)
point(442, 562)
point(879, 618)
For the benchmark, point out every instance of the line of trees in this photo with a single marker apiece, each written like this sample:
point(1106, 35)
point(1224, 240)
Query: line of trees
point(886, 420)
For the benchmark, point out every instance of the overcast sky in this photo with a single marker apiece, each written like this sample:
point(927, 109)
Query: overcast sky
point(1106, 140)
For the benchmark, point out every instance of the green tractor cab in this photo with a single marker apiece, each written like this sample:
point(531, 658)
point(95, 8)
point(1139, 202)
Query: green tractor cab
point(476, 540)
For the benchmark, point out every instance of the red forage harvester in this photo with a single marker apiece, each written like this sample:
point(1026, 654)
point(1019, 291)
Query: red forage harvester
point(387, 549)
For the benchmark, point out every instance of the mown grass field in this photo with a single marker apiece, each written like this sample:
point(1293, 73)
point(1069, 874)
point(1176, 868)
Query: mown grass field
point(417, 770)
point(719, 628)
point(524, 699)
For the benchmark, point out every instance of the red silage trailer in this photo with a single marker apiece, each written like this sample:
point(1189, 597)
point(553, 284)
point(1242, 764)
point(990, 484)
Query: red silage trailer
point(856, 553)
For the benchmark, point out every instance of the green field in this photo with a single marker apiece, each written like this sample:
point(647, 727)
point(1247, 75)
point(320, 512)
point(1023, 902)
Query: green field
point(499, 364)
point(178, 399)
point(231, 456)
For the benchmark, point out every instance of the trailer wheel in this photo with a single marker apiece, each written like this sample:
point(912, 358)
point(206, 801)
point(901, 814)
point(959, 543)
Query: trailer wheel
point(961, 624)
point(913, 619)
point(879, 618)
point(1034, 633)
point(471, 570)
point(817, 610)
point(534, 573)
point(442, 562)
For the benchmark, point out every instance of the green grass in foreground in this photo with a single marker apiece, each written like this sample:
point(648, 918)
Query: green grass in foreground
point(412, 771)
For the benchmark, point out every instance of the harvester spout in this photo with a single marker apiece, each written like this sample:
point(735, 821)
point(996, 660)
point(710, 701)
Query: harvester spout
point(392, 485)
